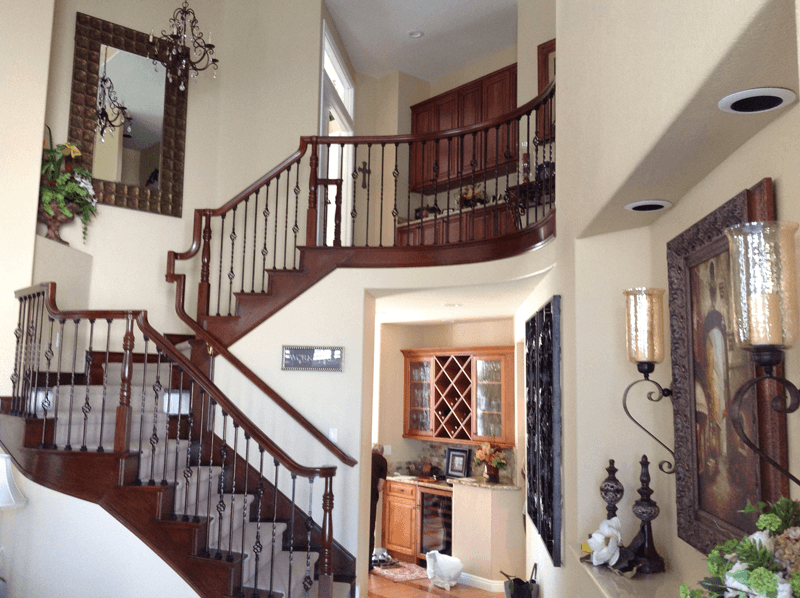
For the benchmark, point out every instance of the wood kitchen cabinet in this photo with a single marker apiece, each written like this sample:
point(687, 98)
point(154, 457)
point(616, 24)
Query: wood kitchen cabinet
point(460, 396)
point(481, 100)
point(400, 520)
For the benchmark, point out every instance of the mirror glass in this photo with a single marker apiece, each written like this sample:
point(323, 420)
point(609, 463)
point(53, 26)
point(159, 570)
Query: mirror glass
point(132, 157)
point(158, 128)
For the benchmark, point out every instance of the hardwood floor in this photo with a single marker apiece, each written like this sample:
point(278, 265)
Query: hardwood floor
point(422, 588)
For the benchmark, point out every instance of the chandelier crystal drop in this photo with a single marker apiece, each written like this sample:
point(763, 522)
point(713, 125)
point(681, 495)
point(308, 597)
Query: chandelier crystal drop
point(184, 52)
point(111, 114)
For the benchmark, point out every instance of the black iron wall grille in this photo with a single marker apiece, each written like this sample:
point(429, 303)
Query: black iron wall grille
point(543, 392)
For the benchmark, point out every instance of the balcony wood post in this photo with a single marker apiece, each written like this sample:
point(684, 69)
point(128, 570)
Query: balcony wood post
point(311, 215)
point(204, 288)
point(122, 432)
point(325, 561)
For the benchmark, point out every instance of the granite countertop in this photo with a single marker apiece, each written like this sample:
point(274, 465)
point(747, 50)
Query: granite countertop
point(429, 483)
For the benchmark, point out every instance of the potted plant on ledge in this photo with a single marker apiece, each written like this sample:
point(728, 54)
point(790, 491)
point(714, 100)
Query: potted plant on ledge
point(494, 461)
point(66, 190)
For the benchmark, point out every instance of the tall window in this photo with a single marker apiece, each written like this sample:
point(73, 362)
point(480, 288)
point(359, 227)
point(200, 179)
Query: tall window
point(336, 119)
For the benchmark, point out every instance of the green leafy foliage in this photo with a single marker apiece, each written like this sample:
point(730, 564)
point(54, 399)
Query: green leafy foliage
point(794, 580)
point(764, 582)
point(755, 555)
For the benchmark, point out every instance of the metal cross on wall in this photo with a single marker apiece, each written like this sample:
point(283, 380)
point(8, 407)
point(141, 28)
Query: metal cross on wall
point(364, 171)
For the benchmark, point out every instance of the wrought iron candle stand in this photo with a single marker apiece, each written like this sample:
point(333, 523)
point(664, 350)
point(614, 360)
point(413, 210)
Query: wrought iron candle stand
point(647, 558)
point(611, 490)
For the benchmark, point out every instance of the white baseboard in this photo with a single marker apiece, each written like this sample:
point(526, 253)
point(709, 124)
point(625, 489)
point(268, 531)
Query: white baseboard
point(490, 585)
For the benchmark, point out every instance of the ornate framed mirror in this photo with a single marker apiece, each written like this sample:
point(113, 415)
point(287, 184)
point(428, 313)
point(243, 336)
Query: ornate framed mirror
point(161, 196)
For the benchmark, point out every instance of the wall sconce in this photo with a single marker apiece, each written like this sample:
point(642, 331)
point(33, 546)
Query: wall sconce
point(764, 280)
point(644, 326)
point(10, 495)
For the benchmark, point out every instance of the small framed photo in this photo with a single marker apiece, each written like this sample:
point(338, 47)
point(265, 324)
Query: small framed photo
point(456, 463)
point(320, 359)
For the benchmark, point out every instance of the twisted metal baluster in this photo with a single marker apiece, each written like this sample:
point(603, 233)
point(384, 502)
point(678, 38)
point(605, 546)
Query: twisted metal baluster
point(286, 216)
point(68, 446)
point(231, 273)
point(421, 190)
point(291, 535)
point(188, 471)
point(307, 581)
point(507, 156)
point(221, 249)
point(244, 508)
point(223, 455)
point(295, 227)
point(435, 180)
point(138, 480)
point(258, 547)
point(264, 250)
point(174, 515)
point(665, 466)
point(229, 558)
point(157, 388)
point(57, 393)
point(369, 186)
point(87, 407)
point(48, 355)
point(38, 351)
point(100, 448)
point(26, 359)
point(449, 164)
point(473, 163)
point(211, 405)
point(460, 190)
point(255, 236)
point(353, 210)
point(411, 164)
point(277, 213)
point(274, 525)
point(16, 378)
point(168, 394)
point(778, 404)
point(244, 241)
point(395, 212)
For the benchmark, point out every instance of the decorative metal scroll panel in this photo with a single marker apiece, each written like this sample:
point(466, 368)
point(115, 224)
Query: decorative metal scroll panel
point(543, 392)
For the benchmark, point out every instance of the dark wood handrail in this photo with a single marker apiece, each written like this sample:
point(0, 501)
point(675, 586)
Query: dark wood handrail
point(140, 316)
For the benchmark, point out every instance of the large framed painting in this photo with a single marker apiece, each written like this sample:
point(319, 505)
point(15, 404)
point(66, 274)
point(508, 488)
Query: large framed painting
point(543, 394)
point(716, 473)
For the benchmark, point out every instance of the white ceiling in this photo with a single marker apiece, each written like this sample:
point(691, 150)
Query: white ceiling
point(457, 34)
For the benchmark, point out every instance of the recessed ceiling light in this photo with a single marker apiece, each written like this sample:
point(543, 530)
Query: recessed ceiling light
point(648, 205)
point(753, 101)
point(416, 34)
point(451, 304)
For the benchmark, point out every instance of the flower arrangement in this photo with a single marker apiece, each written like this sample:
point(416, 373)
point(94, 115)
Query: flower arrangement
point(66, 187)
point(490, 456)
point(605, 549)
point(765, 564)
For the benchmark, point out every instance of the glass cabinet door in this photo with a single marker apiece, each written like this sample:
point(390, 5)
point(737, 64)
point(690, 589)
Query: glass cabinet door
point(419, 399)
point(489, 397)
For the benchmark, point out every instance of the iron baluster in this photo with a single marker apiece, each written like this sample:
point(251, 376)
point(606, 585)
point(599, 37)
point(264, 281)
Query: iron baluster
point(38, 342)
point(188, 470)
point(473, 164)
point(221, 248)
point(264, 250)
point(295, 227)
point(380, 221)
point(530, 171)
point(368, 181)
point(411, 153)
point(258, 547)
point(353, 211)
point(337, 217)
point(68, 447)
point(244, 507)
point(223, 457)
point(100, 448)
point(168, 395)
point(277, 213)
point(537, 184)
point(447, 221)
point(286, 216)
point(26, 360)
point(244, 240)
point(255, 236)
point(507, 156)
point(233, 492)
point(174, 515)
point(16, 378)
point(496, 187)
point(231, 273)
point(157, 387)
point(291, 534)
point(210, 475)
point(460, 189)
point(395, 213)
point(86, 409)
point(307, 581)
point(421, 196)
point(274, 525)
point(57, 393)
point(434, 180)
point(48, 355)
point(138, 480)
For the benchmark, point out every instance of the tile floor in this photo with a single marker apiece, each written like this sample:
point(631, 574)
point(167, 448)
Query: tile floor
point(380, 587)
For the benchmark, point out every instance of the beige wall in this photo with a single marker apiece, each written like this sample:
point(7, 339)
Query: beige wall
point(536, 24)
point(474, 71)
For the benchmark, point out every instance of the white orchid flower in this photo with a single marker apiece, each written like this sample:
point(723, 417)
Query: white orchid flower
point(605, 542)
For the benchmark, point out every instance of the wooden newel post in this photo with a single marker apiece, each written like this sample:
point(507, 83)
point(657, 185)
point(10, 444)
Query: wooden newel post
point(204, 288)
point(325, 561)
point(122, 432)
point(311, 214)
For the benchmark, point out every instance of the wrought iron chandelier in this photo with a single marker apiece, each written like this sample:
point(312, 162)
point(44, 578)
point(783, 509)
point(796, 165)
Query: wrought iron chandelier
point(181, 59)
point(111, 114)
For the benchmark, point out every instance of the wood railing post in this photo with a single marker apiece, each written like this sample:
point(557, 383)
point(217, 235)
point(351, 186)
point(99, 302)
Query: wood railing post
point(325, 561)
point(122, 432)
point(204, 289)
point(311, 215)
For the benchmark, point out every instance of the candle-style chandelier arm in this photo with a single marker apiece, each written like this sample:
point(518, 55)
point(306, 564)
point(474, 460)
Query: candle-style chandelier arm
point(111, 114)
point(656, 395)
point(778, 404)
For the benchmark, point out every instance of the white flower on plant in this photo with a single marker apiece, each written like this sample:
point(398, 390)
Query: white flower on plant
point(605, 542)
point(87, 184)
point(766, 539)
